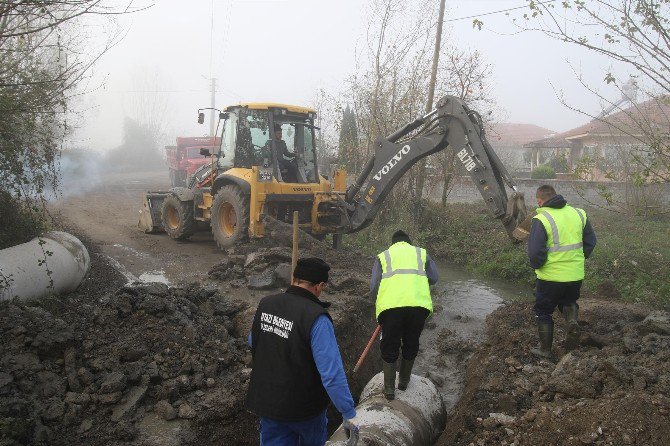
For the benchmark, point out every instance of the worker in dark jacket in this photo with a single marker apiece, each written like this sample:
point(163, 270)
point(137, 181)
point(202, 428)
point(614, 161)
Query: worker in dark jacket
point(401, 279)
point(561, 237)
point(297, 366)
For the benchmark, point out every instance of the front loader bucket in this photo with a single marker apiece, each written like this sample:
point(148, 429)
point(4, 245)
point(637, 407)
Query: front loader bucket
point(150, 216)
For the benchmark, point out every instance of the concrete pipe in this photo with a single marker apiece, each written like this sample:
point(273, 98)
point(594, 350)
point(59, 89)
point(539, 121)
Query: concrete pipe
point(24, 268)
point(416, 417)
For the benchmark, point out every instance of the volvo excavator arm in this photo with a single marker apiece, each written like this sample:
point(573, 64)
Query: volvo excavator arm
point(451, 125)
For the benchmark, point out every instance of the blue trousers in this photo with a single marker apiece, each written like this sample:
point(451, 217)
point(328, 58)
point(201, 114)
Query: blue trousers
point(312, 432)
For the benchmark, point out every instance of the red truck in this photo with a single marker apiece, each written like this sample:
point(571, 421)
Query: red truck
point(184, 158)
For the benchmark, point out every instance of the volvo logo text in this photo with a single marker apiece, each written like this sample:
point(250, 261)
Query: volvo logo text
point(392, 162)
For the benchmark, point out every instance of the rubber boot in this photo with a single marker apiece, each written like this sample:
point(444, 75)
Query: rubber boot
point(546, 335)
point(573, 331)
point(405, 373)
point(389, 379)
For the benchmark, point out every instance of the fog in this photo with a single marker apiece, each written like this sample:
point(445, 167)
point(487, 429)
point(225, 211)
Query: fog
point(285, 51)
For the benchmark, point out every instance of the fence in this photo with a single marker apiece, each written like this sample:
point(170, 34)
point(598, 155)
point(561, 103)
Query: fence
point(578, 193)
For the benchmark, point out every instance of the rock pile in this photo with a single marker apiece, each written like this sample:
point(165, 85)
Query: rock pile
point(614, 389)
point(118, 367)
point(265, 264)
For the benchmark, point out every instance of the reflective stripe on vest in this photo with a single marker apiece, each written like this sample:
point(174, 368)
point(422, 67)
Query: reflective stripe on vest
point(390, 272)
point(556, 247)
point(565, 257)
point(404, 281)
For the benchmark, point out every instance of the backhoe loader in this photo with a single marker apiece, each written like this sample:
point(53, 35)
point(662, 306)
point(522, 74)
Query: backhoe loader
point(267, 164)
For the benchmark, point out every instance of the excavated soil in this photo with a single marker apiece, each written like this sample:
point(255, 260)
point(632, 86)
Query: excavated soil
point(148, 364)
point(612, 390)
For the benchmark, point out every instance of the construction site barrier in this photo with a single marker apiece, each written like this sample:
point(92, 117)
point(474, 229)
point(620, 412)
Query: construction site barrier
point(416, 416)
point(53, 263)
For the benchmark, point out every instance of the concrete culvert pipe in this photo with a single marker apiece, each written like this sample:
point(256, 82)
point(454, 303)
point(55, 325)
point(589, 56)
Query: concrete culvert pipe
point(24, 268)
point(416, 417)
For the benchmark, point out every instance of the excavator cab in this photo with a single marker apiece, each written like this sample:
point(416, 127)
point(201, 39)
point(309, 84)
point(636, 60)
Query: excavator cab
point(278, 140)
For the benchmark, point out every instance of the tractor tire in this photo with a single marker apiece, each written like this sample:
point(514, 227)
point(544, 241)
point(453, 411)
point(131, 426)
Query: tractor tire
point(230, 216)
point(177, 218)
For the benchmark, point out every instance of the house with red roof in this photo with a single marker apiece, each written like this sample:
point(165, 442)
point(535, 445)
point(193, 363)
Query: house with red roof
point(608, 141)
point(509, 140)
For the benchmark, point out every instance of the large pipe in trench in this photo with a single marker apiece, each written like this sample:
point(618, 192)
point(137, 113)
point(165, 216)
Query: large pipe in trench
point(24, 269)
point(416, 417)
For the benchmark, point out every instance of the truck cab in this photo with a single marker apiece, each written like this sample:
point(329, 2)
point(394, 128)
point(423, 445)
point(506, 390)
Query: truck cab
point(184, 158)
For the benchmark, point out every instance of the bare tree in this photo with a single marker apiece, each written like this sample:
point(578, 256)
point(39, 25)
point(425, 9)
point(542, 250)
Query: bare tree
point(634, 37)
point(393, 81)
point(40, 66)
point(390, 88)
point(467, 76)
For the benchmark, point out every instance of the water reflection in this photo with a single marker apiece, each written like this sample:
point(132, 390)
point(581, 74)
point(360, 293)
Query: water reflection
point(461, 304)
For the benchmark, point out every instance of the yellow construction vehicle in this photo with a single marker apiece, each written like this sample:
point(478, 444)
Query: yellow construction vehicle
point(267, 164)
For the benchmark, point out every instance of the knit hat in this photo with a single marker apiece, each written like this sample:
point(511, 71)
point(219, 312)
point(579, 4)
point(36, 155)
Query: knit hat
point(312, 269)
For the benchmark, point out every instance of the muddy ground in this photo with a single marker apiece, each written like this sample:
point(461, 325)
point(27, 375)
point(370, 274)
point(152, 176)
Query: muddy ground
point(123, 361)
point(613, 390)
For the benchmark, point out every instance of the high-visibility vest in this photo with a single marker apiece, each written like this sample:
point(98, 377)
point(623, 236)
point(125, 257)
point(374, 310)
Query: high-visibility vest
point(404, 281)
point(565, 259)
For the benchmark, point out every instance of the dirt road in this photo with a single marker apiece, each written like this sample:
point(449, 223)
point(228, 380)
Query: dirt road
point(108, 214)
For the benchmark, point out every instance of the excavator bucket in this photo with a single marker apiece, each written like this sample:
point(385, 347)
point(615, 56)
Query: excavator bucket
point(150, 214)
point(517, 213)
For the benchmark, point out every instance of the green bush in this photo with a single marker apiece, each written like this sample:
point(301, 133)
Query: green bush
point(543, 172)
point(632, 254)
point(21, 221)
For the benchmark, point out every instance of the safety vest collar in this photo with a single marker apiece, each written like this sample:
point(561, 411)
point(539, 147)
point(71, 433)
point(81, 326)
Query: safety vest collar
point(556, 245)
point(390, 272)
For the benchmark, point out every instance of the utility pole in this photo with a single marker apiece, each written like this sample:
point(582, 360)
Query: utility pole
point(212, 111)
point(436, 59)
point(421, 179)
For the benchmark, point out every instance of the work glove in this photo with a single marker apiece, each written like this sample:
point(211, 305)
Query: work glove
point(351, 429)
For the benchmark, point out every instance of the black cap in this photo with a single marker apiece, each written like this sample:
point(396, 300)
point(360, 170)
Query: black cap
point(277, 127)
point(400, 236)
point(312, 269)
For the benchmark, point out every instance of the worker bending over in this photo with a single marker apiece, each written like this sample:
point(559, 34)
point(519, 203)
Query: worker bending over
point(561, 237)
point(401, 279)
point(296, 363)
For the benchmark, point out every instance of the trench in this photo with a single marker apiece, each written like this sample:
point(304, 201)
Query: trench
point(461, 303)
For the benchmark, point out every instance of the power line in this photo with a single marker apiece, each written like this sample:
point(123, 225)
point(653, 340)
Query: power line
point(496, 12)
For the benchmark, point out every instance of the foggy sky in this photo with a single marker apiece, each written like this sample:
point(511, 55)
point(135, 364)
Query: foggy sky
point(284, 50)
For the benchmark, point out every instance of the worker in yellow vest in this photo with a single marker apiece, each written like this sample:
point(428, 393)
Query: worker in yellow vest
point(401, 279)
point(561, 237)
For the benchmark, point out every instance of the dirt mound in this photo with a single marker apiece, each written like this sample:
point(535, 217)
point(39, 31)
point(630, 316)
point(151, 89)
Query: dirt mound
point(148, 364)
point(115, 368)
point(265, 264)
point(614, 389)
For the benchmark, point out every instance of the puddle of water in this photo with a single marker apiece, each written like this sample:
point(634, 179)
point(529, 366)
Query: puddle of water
point(154, 276)
point(461, 303)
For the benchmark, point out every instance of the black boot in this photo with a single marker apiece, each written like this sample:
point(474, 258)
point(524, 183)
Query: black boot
point(573, 331)
point(546, 335)
point(405, 373)
point(389, 379)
